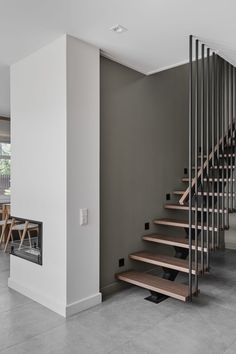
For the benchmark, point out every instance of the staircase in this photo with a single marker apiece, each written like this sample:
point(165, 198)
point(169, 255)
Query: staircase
point(208, 195)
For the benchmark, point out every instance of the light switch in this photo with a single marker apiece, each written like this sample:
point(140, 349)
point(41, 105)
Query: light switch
point(83, 216)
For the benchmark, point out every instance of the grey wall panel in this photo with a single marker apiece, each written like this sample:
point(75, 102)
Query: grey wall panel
point(144, 149)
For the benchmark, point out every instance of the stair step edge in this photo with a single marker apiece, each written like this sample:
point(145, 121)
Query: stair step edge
point(171, 241)
point(163, 261)
point(178, 223)
point(151, 282)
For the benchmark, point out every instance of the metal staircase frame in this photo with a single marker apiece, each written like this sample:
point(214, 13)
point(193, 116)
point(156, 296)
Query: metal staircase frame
point(211, 135)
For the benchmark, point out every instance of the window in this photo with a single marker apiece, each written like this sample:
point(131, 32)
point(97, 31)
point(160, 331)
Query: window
point(5, 160)
point(5, 169)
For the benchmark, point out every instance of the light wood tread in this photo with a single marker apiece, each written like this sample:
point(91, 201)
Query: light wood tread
point(177, 192)
point(185, 207)
point(220, 155)
point(162, 260)
point(215, 194)
point(153, 283)
point(186, 179)
point(223, 167)
point(180, 223)
point(20, 227)
point(172, 241)
point(216, 167)
point(205, 193)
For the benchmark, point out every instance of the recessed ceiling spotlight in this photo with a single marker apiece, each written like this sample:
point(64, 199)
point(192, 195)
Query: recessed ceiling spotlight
point(118, 29)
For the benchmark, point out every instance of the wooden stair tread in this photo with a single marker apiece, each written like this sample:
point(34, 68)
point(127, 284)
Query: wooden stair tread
point(220, 155)
point(180, 223)
point(186, 179)
point(216, 167)
point(204, 193)
point(172, 241)
point(225, 167)
point(162, 260)
point(185, 207)
point(153, 283)
point(215, 194)
point(227, 155)
point(178, 192)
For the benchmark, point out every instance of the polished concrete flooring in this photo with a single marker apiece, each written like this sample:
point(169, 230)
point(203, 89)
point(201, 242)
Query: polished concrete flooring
point(125, 323)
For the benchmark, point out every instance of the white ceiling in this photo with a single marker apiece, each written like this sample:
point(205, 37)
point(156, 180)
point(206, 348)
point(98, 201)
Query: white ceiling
point(157, 36)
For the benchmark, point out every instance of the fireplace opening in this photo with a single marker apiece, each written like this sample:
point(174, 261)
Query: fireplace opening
point(27, 239)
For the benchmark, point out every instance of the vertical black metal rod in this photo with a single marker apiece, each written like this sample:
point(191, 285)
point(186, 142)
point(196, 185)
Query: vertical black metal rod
point(235, 136)
point(223, 146)
point(221, 180)
point(202, 149)
point(190, 159)
point(217, 154)
point(208, 99)
point(231, 140)
point(196, 163)
point(227, 145)
point(213, 148)
point(234, 123)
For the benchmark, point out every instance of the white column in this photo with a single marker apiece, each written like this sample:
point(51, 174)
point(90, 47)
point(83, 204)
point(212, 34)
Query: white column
point(82, 175)
point(54, 105)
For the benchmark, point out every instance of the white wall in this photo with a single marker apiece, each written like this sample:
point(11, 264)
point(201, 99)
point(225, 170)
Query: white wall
point(230, 235)
point(38, 177)
point(82, 172)
point(55, 159)
point(4, 91)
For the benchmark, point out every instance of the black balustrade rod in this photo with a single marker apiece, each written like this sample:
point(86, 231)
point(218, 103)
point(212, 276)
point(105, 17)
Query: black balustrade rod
point(190, 159)
point(223, 144)
point(234, 145)
point(231, 140)
point(202, 149)
point(227, 144)
point(217, 100)
point(221, 134)
point(213, 112)
point(196, 160)
point(208, 112)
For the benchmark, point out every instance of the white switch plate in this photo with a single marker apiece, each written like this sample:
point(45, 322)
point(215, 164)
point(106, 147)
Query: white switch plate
point(83, 216)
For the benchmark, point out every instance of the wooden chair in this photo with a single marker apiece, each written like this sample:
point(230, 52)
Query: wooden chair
point(24, 229)
point(9, 236)
point(4, 223)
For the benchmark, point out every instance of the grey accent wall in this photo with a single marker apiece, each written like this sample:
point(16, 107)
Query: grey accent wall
point(144, 149)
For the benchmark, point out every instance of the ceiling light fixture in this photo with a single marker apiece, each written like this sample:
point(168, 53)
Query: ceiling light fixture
point(118, 29)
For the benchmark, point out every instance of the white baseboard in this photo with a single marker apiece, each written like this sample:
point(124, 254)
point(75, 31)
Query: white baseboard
point(61, 309)
point(83, 304)
point(40, 298)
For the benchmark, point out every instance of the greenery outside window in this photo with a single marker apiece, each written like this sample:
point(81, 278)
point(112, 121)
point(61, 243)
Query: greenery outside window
point(5, 168)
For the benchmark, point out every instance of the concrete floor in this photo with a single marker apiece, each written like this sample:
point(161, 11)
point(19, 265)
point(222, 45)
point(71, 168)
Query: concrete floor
point(125, 323)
